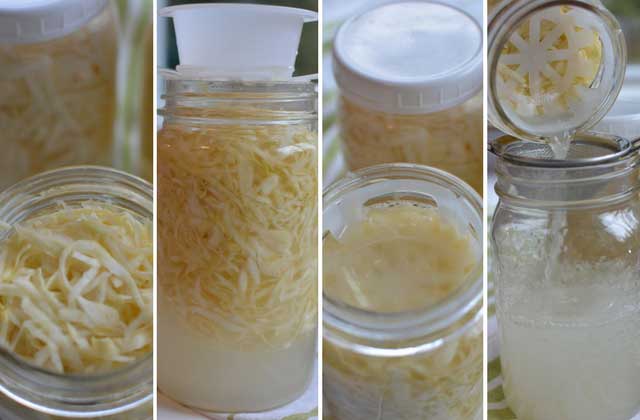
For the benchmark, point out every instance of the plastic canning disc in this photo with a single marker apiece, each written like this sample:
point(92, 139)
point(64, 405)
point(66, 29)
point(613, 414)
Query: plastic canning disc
point(409, 57)
point(252, 42)
point(559, 71)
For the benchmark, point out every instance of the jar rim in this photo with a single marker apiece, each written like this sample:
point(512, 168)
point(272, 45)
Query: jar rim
point(621, 151)
point(378, 333)
point(76, 395)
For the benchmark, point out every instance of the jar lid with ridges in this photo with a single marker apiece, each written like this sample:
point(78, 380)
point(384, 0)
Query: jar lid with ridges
point(32, 21)
point(409, 57)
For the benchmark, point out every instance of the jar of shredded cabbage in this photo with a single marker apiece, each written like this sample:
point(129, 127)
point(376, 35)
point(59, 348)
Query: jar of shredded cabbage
point(402, 305)
point(566, 241)
point(412, 92)
point(76, 293)
point(555, 67)
point(237, 226)
point(57, 85)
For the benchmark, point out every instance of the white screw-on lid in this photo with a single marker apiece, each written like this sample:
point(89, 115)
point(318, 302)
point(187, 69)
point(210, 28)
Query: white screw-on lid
point(31, 21)
point(244, 41)
point(410, 57)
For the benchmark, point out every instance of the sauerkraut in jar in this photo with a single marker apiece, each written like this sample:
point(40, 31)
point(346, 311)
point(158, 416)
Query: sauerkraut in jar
point(418, 101)
point(237, 222)
point(76, 292)
point(57, 86)
point(402, 284)
point(237, 227)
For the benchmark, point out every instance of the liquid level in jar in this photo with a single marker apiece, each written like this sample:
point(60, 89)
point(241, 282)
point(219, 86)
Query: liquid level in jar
point(398, 258)
point(401, 257)
point(573, 354)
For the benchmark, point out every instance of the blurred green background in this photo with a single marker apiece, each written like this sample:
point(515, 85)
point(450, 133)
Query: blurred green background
point(306, 62)
point(628, 14)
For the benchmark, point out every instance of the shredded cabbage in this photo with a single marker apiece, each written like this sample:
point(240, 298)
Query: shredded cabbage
point(401, 258)
point(451, 140)
point(76, 288)
point(237, 226)
point(445, 384)
point(57, 101)
point(549, 63)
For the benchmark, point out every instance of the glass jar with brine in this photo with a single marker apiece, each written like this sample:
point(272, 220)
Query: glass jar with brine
point(402, 305)
point(237, 221)
point(566, 241)
point(565, 234)
point(412, 91)
point(57, 85)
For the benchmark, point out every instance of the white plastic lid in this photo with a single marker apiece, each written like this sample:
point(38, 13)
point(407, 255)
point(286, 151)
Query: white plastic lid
point(244, 41)
point(31, 21)
point(410, 57)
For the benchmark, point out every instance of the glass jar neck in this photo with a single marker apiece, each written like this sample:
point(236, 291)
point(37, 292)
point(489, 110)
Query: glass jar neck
point(202, 102)
point(550, 185)
point(76, 395)
point(507, 18)
point(407, 333)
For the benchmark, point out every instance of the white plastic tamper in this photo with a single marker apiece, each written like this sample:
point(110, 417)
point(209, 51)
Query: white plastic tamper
point(238, 41)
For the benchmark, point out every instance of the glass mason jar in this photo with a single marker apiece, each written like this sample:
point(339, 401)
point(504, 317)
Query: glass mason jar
point(417, 102)
point(411, 364)
point(555, 67)
point(125, 393)
point(566, 241)
point(57, 86)
point(237, 224)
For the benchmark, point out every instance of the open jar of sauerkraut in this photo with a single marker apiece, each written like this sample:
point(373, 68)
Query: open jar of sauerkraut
point(237, 221)
point(402, 305)
point(412, 92)
point(57, 85)
point(76, 291)
point(555, 67)
point(566, 241)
